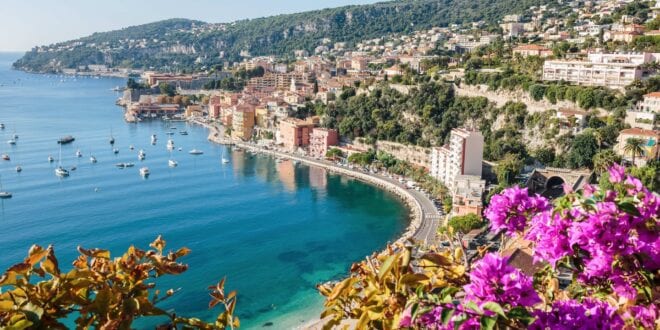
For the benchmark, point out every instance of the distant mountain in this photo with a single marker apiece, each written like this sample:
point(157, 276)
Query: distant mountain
point(181, 43)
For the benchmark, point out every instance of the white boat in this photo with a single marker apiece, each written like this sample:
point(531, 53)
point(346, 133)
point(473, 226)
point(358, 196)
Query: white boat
point(115, 150)
point(124, 165)
point(180, 149)
point(4, 194)
point(50, 159)
point(225, 160)
point(78, 153)
point(19, 169)
point(15, 137)
point(144, 171)
point(131, 147)
point(61, 171)
point(172, 163)
point(153, 139)
point(5, 157)
point(11, 141)
point(170, 144)
point(92, 159)
point(2, 126)
point(129, 164)
point(196, 152)
point(140, 157)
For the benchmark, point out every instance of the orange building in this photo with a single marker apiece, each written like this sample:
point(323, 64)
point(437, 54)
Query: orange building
point(320, 139)
point(243, 122)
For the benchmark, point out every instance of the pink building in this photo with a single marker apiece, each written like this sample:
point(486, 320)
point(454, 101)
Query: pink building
point(295, 133)
point(320, 140)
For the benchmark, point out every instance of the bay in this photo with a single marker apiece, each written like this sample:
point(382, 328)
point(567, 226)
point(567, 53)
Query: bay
point(274, 230)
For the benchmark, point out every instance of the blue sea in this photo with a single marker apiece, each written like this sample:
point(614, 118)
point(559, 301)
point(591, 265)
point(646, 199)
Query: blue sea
point(274, 230)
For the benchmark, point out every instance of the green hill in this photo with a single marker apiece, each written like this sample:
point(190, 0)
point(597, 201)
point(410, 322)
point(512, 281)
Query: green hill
point(181, 43)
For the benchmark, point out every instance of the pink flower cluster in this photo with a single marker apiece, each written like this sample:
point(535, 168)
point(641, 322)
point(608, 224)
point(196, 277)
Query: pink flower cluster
point(492, 279)
point(591, 314)
point(433, 320)
point(613, 234)
point(511, 209)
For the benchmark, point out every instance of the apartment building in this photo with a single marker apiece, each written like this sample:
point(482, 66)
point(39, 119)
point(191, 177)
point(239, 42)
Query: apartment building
point(242, 123)
point(320, 140)
point(609, 70)
point(644, 113)
point(467, 195)
point(649, 140)
point(294, 133)
point(463, 156)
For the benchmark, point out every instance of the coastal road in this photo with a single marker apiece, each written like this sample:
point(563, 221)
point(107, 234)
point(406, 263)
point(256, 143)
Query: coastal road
point(430, 215)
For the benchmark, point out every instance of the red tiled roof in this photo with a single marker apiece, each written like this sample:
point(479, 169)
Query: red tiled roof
point(653, 94)
point(640, 131)
point(530, 47)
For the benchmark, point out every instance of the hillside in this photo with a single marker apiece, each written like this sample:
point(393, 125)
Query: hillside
point(186, 44)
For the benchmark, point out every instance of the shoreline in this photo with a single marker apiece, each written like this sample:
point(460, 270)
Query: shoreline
point(403, 194)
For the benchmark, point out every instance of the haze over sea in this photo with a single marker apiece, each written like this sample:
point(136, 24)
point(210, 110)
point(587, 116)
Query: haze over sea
point(274, 229)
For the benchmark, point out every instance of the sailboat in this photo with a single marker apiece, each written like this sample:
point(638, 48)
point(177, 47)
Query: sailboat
point(224, 160)
point(61, 171)
point(153, 139)
point(195, 152)
point(4, 194)
point(12, 141)
point(171, 162)
point(50, 159)
point(78, 153)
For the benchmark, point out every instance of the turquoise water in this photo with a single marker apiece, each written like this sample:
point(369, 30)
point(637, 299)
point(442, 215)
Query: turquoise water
point(274, 229)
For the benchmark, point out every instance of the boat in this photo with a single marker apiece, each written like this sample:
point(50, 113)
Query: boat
point(196, 152)
point(2, 126)
point(66, 139)
point(180, 149)
point(15, 137)
point(173, 127)
point(169, 133)
point(141, 157)
point(183, 132)
point(129, 164)
point(78, 153)
point(131, 147)
point(115, 150)
point(50, 159)
point(19, 169)
point(172, 163)
point(153, 139)
point(11, 141)
point(144, 171)
point(5, 157)
point(224, 160)
point(112, 138)
point(73, 168)
point(170, 144)
point(92, 159)
point(4, 194)
point(124, 165)
point(61, 171)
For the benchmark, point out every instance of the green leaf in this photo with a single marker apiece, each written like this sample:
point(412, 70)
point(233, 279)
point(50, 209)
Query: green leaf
point(471, 305)
point(629, 208)
point(520, 313)
point(488, 322)
point(494, 307)
point(446, 315)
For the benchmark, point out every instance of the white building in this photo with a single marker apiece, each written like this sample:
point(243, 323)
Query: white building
point(644, 113)
point(609, 70)
point(463, 156)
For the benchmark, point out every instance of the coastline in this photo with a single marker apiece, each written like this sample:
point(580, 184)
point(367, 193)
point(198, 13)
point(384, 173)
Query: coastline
point(416, 211)
point(415, 227)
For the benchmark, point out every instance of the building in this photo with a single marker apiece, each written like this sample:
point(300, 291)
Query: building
point(467, 195)
point(609, 70)
point(463, 156)
point(532, 50)
point(294, 133)
point(643, 114)
point(194, 110)
point(320, 140)
point(649, 140)
point(243, 122)
point(573, 119)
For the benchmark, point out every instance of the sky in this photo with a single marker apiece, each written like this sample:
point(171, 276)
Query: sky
point(28, 23)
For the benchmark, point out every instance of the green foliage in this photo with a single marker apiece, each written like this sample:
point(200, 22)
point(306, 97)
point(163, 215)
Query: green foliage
point(362, 158)
point(99, 292)
point(167, 89)
point(334, 153)
point(465, 223)
point(583, 150)
point(507, 169)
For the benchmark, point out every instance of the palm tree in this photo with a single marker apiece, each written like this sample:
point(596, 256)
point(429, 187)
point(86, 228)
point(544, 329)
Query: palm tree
point(634, 147)
point(604, 159)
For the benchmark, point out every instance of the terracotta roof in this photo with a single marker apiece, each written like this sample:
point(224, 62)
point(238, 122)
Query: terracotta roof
point(573, 112)
point(640, 131)
point(653, 94)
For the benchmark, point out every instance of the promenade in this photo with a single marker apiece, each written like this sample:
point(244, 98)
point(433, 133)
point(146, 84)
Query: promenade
point(424, 219)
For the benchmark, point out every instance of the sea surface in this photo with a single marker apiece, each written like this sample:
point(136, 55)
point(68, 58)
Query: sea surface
point(274, 230)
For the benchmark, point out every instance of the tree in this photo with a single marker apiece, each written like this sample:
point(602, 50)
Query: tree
point(507, 169)
point(465, 223)
point(166, 89)
point(334, 153)
point(634, 147)
point(582, 151)
point(604, 159)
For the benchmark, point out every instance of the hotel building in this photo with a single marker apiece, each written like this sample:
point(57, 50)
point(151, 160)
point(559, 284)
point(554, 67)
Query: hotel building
point(463, 156)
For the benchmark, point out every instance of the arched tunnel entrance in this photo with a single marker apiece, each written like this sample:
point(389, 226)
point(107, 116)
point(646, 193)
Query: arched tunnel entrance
point(554, 187)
